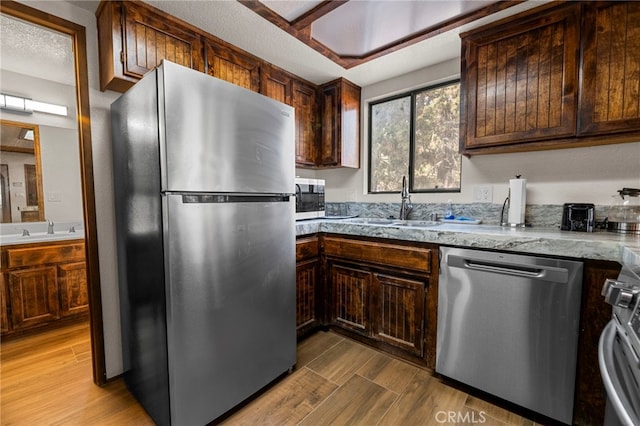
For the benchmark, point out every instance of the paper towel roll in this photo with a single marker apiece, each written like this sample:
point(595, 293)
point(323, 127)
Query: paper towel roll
point(517, 201)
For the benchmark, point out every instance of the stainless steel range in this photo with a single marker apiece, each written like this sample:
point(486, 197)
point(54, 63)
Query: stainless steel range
point(619, 348)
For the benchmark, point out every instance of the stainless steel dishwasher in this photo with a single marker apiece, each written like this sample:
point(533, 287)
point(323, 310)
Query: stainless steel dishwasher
point(508, 325)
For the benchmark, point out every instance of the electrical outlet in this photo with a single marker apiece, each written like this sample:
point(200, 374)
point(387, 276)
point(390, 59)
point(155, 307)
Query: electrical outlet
point(483, 193)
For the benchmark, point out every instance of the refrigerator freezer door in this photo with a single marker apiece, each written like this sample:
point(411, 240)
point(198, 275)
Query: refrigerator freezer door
point(230, 301)
point(219, 137)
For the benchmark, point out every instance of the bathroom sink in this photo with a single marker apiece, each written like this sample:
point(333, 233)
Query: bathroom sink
point(37, 237)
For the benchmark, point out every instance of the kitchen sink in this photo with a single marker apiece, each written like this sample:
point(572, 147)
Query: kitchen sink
point(371, 221)
point(416, 223)
point(394, 222)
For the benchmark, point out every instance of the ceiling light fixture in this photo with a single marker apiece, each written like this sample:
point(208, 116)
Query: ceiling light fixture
point(28, 106)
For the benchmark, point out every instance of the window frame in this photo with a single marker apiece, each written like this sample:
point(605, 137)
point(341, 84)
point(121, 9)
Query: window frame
point(412, 96)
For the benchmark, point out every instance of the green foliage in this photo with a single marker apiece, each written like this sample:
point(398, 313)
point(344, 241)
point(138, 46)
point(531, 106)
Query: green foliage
point(435, 148)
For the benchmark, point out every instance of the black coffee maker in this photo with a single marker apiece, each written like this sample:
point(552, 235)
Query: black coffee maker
point(578, 217)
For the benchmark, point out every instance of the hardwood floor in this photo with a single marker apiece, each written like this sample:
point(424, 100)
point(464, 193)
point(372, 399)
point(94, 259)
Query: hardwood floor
point(46, 380)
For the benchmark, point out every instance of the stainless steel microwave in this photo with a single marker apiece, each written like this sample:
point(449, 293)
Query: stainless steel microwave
point(309, 198)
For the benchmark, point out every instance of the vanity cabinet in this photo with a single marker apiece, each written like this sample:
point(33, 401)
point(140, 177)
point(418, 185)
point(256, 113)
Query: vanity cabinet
point(133, 38)
point(384, 293)
point(232, 65)
point(4, 319)
point(309, 296)
point(557, 76)
point(42, 283)
point(340, 122)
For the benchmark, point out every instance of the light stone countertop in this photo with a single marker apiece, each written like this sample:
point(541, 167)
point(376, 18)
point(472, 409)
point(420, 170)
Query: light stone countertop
point(600, 245)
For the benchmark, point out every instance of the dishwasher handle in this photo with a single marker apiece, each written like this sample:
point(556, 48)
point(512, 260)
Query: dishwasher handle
point(538, 272)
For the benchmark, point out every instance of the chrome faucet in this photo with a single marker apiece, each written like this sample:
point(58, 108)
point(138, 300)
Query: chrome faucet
point(50, 227)
point(405, 207)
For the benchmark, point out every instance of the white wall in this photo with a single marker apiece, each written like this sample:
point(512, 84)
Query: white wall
point(590, 175)
point(102, 170)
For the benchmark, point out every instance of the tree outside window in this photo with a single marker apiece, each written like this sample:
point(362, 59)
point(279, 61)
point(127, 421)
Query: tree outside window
point(416, 134)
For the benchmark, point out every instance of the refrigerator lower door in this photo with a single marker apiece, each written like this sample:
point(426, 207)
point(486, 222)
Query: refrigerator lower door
point(230, 301)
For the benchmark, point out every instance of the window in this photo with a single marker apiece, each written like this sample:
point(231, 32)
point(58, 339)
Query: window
point(416, 134)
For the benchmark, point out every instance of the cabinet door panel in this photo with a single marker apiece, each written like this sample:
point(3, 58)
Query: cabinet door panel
point(34, 296)
point(304, 101)
point(73, 288)
point(400, 312)
point(233, 67)
point(4, 319)
point(350, 295)
point(307, 301)
point(610, 92)
point(520, 83)
point(276, 85)
point(149, 39)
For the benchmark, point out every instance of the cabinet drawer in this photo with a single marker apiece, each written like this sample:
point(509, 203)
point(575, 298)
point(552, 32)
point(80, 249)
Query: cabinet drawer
point(46, 254)
point(414, 258)
point(307, 248)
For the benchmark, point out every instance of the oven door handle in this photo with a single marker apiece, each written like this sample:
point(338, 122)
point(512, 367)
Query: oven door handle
point(615, 390)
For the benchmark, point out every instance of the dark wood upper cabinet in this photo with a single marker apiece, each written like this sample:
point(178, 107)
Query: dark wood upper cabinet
point(134, 38)
point(233, 66)
point(306, 105)
point(340, 120)
point(520, 80)
point(610, 91)
point(557, 76)
point(276, 84)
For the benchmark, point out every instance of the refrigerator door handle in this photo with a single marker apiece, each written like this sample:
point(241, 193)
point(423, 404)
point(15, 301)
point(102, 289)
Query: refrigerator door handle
point(224, 198)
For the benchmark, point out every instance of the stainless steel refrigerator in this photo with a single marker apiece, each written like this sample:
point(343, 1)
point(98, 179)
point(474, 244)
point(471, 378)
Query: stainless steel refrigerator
point(204, 183)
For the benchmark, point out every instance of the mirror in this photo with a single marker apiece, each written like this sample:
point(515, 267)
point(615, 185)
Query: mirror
point(41, 174)
point(21, 195)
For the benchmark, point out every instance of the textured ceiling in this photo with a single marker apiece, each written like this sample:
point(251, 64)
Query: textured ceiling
point(36, 51)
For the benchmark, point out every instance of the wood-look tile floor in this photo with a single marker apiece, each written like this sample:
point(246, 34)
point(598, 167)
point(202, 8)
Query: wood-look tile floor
point(46, 380)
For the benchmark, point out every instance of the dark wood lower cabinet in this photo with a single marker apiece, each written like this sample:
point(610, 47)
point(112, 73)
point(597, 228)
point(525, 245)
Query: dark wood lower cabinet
point(590, 397)
point(307, 300)
point(42, 284)
point(309, 295)
point(385, 294)
point(34, 297)
point(72, 281)
point(350, 298)
point(399, 304)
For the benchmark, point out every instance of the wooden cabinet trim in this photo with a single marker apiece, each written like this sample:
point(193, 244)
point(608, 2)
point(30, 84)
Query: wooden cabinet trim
point(308, 247)
point(407, 257)
point(42, 255)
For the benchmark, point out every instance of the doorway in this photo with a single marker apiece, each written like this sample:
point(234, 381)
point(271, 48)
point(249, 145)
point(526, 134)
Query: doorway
point(78, 37)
